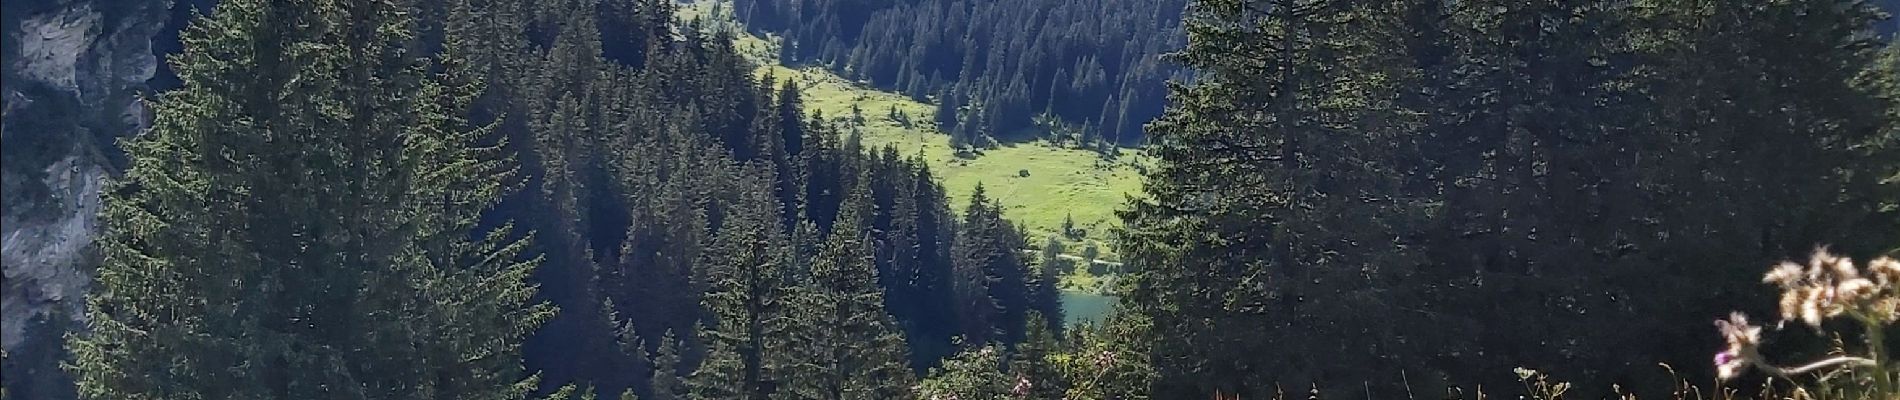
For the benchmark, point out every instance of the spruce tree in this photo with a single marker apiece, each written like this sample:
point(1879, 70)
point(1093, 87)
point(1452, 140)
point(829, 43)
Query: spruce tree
point(931, 315)
point(1032, 364)
point(300, 222)
point(719, 374)
point(946, 115)
point(1243, 236)
point(1883, 79)
point(666, 383)
point(1045, 293)
point(569, 91)
point(845, 346)
point(1751, 105)
point(791, 117)
point(747, 273)
point(976, 373)
point(822, 168)
point(970, 280)
point(991, 282)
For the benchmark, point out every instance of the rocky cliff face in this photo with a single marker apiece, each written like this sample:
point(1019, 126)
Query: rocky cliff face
point(70, 84)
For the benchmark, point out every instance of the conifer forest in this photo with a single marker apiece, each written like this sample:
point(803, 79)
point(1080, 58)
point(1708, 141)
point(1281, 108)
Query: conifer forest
point(951, 199)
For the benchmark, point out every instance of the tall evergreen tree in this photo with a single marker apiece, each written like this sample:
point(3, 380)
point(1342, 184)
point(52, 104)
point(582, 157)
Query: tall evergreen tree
point(301, 223)
point(791, 118)
point(990, 279)
point(1045, 294)
point(1496, 148)
point(747, 273)
point(569, 89)
point(1033, 364)
point(1883, 79)
point(977, 311)
point(846, 346)
point(665, 382)
point(823, 168)
point(674, 182)
point(721, 374)
point(1273, 220)
point(927, 305)
point(946, 115)
point(975, 373)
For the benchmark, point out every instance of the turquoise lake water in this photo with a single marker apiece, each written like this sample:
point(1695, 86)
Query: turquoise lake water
point(1078, 306)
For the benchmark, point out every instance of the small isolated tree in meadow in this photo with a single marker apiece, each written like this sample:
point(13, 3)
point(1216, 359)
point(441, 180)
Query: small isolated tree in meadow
point(1090, 253)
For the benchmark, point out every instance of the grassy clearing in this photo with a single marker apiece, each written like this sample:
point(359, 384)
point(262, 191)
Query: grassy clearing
point(1060, 182)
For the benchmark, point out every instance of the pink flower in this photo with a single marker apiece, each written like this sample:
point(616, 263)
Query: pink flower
point(1742, 338)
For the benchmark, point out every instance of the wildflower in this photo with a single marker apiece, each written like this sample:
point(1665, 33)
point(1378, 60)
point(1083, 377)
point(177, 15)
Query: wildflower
point(1830, 285)
point(1725, 357)
point(1827, 286)
point(1785, 273)
point(1743, 340)
point(1022, 386)
point(1885, 268)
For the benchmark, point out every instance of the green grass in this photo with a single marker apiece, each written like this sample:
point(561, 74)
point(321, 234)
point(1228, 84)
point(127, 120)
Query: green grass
point(1061, 182)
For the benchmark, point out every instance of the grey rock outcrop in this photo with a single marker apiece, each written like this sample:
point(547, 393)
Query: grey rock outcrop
point(74, 72)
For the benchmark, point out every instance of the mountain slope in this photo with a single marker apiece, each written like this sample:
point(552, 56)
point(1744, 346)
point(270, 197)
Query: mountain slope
point(1061, 182)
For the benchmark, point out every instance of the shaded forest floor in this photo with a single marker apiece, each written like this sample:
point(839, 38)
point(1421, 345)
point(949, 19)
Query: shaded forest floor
point(1061, 183)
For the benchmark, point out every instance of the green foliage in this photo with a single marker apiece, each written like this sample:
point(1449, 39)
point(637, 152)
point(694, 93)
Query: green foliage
point(1432, 164)
point(1045, 292)
point(974, 374)
point(1239, 205)
point(993, 67)
point(845, 346)
point(1033, 362)
point(313, 214)
point(1107, 361)
point(665, 381)
point(991, 281)
point(748, 278)
point(335, 173)
point(300, 223)
point(1067, 181)
point(573, 392)
point(720, 375)
point(1882, 80)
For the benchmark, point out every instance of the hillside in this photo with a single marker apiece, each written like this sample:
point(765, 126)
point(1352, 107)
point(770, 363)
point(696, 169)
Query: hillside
point(924, 199)
point(1094, 65)
point(1061, 182)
